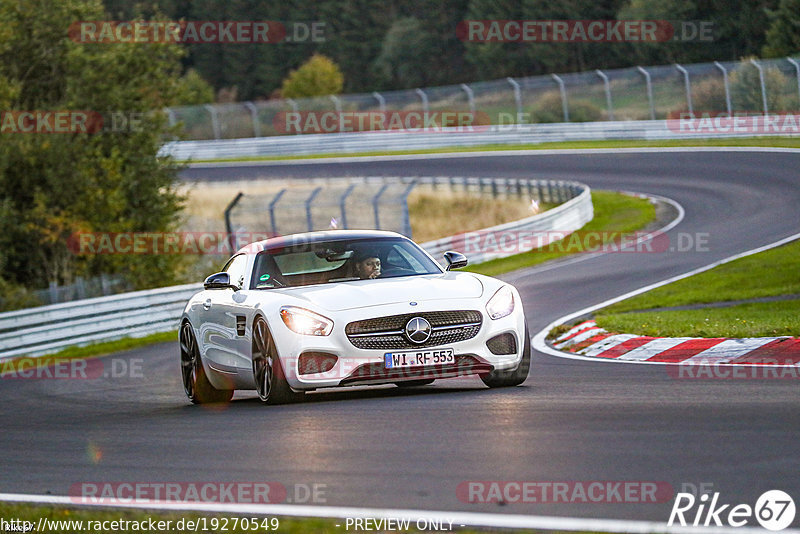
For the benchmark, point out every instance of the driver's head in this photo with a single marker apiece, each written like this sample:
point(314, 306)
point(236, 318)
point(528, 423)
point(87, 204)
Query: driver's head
point(368, 266)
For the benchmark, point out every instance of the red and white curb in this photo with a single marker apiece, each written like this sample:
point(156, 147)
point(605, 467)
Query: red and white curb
point(588, 340)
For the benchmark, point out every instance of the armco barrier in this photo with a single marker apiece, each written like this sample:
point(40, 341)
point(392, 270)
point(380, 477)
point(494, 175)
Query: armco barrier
point(48, 329)
point(349, 143)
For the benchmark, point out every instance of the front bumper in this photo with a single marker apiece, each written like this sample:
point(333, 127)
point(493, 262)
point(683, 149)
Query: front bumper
point(355, 366)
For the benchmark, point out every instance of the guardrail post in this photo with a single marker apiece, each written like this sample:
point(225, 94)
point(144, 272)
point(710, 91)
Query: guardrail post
point(649, 85)
point(406, 219)
point(470, 98)
point(688, 88)
point(607, 89)
point(254, 117)
point(228, 224)
point(381, 101)
point(763, 85)
point(563, 91)
point(309, 200)
point(343, 206)
point(797, 70)
point(424, 99)
point(495, 192)
point(274, 201)
point(517, 97)
point(721, 67)
point(214, 120)
point(170, 117)
point(376, 205)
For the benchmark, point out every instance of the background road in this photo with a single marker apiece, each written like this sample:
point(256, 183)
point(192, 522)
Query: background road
point(396, 448)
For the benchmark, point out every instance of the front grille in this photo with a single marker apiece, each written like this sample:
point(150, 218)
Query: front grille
point(386, 333)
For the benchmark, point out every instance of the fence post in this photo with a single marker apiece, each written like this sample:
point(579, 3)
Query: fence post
point(607, 89)
point(228, 224)
point(649, 92)
point(563, 91)
point(688, 88)
point(337, 105)
point(406, 219)
point(254, 117)
point(214, 120)
point(272, 203)
point(376, 205)
point(797, 70)
point(53, 289)
point(309, 200)
point(763, 85)
point(471, 98)
point(293, 104)
point(424, 99)
point(517, 98)
point(721, 67)
point(342, 204)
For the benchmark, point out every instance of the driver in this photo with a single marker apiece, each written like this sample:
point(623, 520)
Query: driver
point(368, 266)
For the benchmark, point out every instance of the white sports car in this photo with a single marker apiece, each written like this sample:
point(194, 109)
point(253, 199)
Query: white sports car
point(329, 309)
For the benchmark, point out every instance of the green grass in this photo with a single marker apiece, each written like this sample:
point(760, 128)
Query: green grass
point(770, 273)
point(758, 319)
point(785, 142)
point(614, 214)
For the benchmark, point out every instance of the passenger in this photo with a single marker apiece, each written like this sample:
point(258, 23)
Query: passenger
point(368, 266)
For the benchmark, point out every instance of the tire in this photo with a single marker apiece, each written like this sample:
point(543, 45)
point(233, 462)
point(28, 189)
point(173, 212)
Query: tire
point(515, 377)
point(268, 373)
point(414, 383)
point(195, 382)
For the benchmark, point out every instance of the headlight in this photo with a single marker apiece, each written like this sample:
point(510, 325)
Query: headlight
point(306, 322)
point(501, 304)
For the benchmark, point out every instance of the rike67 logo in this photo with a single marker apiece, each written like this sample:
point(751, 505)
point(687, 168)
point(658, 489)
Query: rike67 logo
point(774, 510)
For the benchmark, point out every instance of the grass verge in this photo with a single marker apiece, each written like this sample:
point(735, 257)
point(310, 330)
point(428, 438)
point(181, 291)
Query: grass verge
point(784, 142)
point(615, 215)
point(766, 274)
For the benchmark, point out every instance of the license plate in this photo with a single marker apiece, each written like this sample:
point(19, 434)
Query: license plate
point(420, 358)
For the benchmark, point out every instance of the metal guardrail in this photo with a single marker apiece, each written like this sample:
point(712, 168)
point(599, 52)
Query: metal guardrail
point(44, 330)
point(514, 134)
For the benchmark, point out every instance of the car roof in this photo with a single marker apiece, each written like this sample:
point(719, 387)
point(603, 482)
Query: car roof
point(317, 237)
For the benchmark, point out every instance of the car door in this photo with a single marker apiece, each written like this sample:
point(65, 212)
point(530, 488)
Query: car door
point(222, 321)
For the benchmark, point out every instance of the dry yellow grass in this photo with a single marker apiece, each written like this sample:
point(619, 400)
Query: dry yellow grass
point(433, 213)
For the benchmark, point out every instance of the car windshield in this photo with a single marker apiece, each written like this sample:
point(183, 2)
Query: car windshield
point(340, 261)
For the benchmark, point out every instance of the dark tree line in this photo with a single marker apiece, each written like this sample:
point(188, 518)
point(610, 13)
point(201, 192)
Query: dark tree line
point(397, 44)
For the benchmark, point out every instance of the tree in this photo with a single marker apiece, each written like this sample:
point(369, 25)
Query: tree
point(406, 56)
point(783, 35)
point(54, 185)
point(319, 76)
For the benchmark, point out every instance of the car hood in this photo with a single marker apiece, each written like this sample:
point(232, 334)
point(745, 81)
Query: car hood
point(364, 293)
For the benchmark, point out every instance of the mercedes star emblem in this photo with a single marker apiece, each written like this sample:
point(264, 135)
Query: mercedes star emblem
point(418, 330)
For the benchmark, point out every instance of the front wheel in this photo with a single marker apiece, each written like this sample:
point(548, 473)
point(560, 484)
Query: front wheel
point(514, 377)
point(195, 382)
point(268, 372)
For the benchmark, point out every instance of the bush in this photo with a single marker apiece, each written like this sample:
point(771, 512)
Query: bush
point(319, 76)
point(549, 108)
point(709, 96)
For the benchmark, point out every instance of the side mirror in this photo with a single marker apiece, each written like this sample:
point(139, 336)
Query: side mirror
point(219, 281)
point(455, 260)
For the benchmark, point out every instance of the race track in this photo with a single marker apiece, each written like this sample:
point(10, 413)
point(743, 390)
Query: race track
point(392, 448)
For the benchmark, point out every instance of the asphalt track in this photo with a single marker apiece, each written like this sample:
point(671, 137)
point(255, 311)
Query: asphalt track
point(392, 448)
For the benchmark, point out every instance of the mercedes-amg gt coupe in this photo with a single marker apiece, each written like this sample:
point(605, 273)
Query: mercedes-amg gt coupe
point(340, 308)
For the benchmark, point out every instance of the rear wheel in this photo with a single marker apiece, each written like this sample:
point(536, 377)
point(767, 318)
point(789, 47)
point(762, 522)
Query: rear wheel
point(513, 377)
point(268, 372)
point(195, 382)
